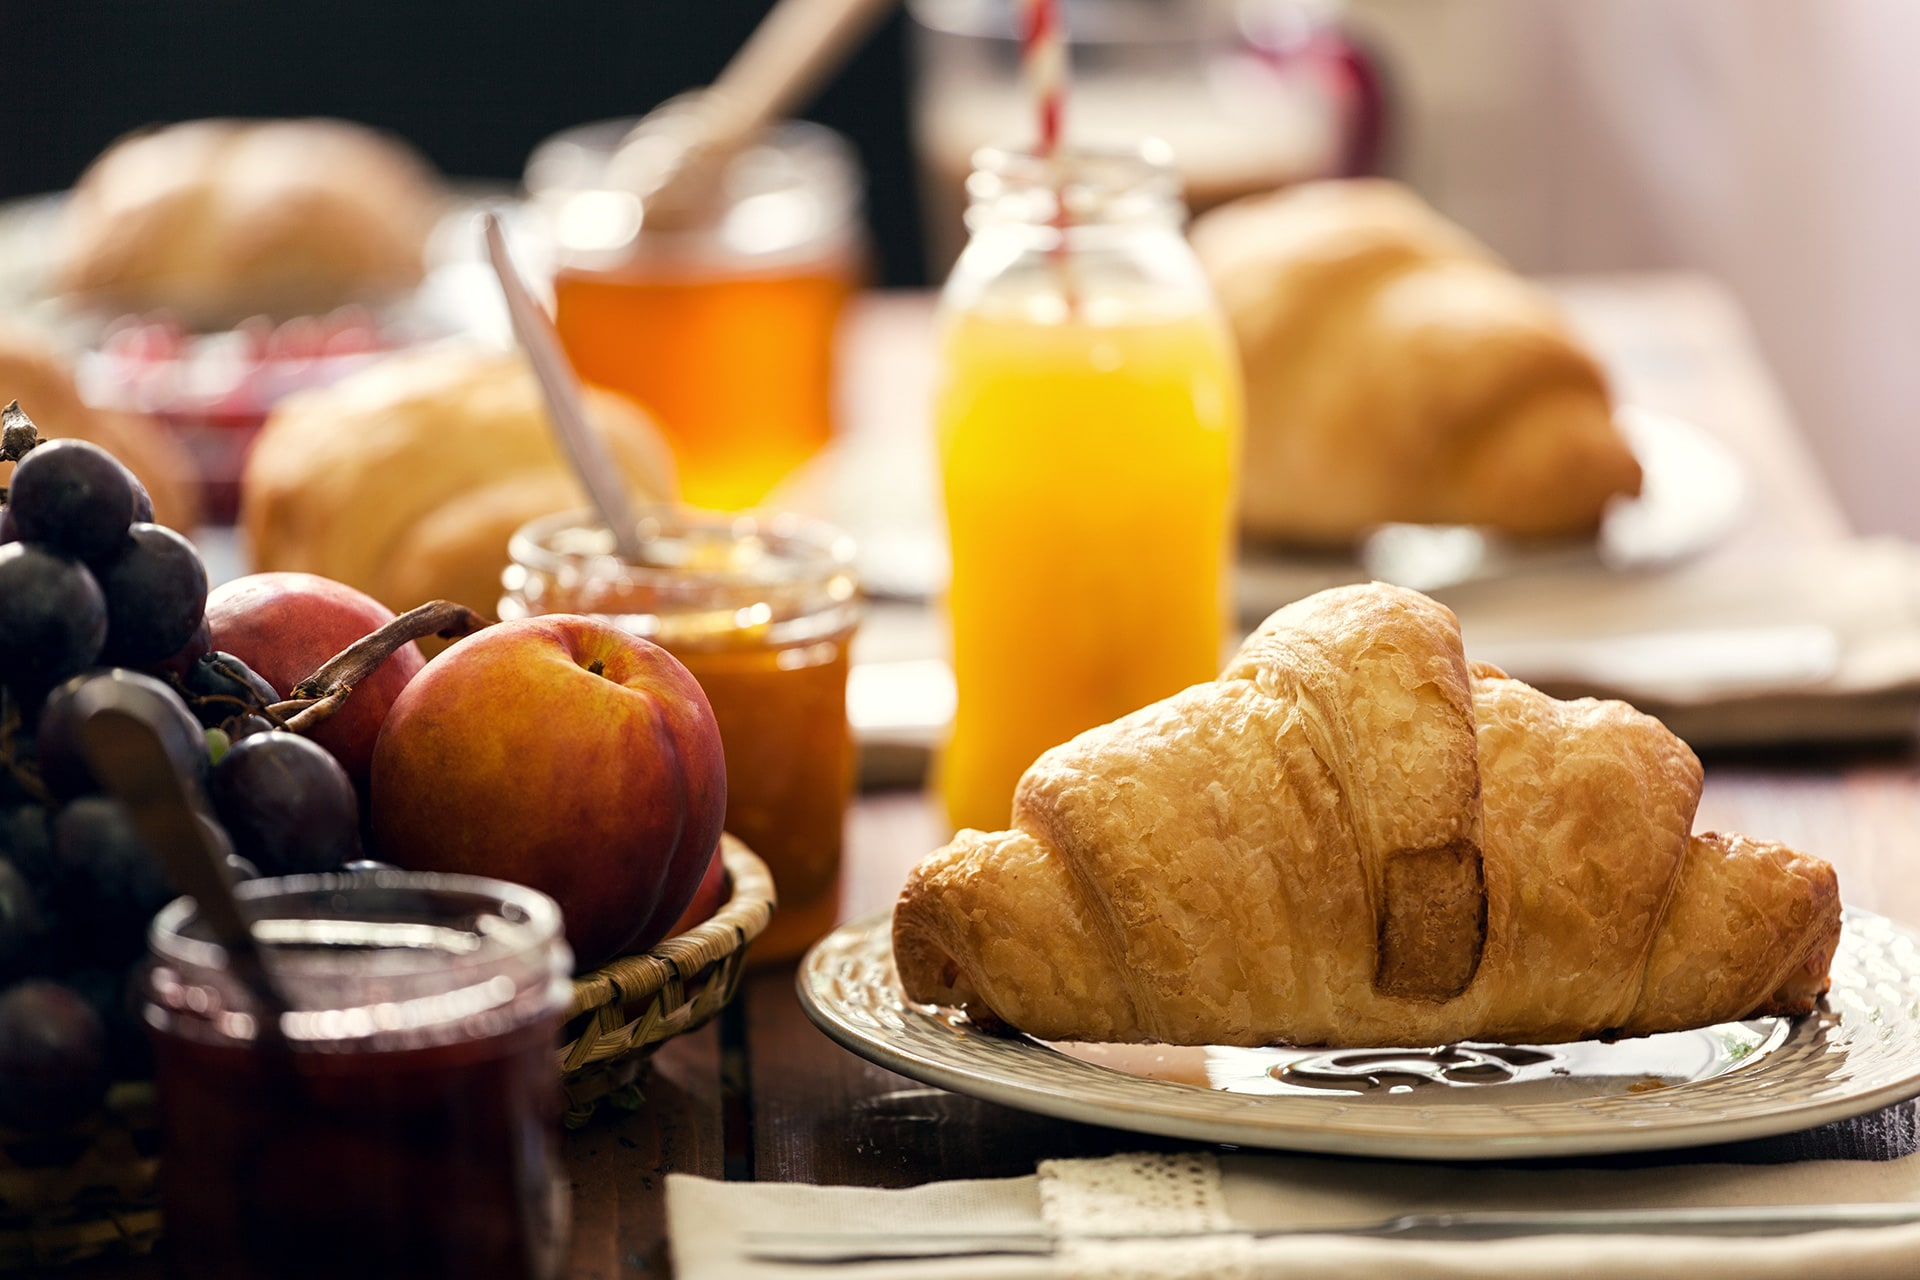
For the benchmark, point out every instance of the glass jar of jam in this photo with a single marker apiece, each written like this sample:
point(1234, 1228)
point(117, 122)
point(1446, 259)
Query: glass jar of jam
point(406, 1121)
point(761, 609)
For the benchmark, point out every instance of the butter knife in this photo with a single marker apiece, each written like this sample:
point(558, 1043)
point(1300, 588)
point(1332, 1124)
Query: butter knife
point(123, 747)
point(1741, 1220)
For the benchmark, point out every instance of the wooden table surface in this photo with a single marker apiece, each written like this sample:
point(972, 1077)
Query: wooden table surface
point(762, 1095)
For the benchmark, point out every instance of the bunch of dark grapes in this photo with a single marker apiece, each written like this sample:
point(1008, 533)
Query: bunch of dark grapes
point(92, 593)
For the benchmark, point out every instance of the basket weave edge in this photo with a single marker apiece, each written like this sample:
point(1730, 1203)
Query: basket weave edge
point(654, 983)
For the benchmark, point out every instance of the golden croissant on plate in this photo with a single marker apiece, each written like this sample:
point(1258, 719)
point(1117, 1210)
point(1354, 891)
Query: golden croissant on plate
point(1397, 370)
point(1356, 837)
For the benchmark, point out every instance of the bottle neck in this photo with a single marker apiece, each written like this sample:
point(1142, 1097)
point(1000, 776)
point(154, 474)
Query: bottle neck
point(1082, 195)
point(1083, 235)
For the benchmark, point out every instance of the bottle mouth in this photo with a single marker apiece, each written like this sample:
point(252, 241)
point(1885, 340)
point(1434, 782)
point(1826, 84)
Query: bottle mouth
point(395, 925)
point(1080, 186)
point(745, 551)
point(1112, 23)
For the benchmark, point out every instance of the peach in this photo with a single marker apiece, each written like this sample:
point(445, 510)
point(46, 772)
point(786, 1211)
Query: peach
point(284, 625)
point(707, 899)
point(565, 754)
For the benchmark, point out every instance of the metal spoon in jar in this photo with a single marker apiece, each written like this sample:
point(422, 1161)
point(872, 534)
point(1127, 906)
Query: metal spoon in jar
point(579, 440)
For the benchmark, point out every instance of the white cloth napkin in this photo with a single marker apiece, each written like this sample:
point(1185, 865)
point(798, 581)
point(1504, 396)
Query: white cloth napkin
point(1815, 643)
point(1197, 1191)
point(1821, 643)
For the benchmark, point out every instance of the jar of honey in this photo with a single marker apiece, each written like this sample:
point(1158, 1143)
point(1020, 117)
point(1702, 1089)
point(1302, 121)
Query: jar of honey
point(761, 609)
point(405, 1122)
point(724, 330)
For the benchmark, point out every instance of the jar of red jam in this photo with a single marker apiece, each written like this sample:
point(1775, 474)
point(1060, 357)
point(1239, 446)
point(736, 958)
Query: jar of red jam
point(407, 1121)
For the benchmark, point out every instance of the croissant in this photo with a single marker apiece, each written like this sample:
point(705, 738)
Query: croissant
point(406, 478)
point(1396, 370)
point(1355, 837)
point(35, 373)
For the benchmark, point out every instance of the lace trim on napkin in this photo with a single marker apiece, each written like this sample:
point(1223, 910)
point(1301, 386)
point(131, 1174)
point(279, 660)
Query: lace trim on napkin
point(1144, 1194)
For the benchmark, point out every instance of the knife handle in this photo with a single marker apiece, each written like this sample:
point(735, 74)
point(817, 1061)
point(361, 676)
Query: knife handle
point(120, 733)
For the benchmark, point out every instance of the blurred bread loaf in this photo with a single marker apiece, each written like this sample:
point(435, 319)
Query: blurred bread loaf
point(407, 478)
point(35, 374)
point(1397, 370)
point(217, 220)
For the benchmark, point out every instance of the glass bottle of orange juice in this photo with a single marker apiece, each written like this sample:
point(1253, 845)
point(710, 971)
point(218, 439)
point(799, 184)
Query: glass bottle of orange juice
point(1088, 411)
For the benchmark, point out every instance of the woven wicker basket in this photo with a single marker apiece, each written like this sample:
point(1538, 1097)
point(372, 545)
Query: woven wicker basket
point(633, 1004)
point(88, 1191)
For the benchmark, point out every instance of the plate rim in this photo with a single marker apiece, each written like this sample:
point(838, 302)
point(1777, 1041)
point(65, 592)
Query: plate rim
point(1674, 1135)
point(1261, 561)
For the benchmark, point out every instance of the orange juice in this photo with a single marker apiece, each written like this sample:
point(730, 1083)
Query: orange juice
point(1089, 458)
point(736, 366)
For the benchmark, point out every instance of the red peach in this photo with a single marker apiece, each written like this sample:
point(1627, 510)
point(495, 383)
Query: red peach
point(565, 754)
point(284, 625)
point(707, 899)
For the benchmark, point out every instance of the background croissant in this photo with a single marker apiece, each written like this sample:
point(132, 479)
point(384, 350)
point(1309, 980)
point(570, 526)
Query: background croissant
point(39, 376)
point(1396, 370)
point(216, 220)
point(406, 478)
point(1354, 837)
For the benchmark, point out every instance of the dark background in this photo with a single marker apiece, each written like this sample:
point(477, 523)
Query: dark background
point(473, 85)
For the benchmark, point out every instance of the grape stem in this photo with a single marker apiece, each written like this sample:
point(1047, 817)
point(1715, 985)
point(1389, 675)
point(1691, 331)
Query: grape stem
point(321, 694)
point(17, 435)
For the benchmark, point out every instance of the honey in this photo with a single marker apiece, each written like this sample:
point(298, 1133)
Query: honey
point(723, 325)
point(782, 711)
point(762, 611)
point(736, 367)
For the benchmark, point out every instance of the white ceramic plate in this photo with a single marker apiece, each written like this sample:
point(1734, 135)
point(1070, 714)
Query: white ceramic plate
point(1858, 1053)
point(1692, 493)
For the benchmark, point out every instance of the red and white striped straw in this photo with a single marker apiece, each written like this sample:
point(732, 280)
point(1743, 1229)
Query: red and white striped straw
point(1043, 56)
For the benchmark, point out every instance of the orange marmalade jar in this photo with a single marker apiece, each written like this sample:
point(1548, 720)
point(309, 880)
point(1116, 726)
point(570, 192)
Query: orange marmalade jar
point(761, 609)
point(724, 331)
